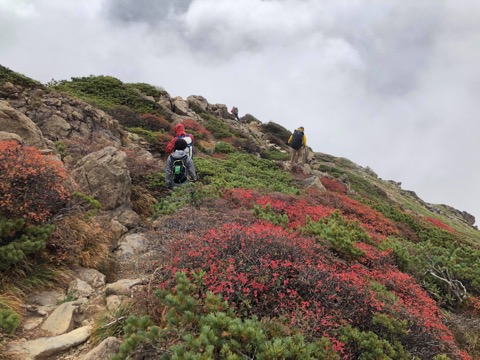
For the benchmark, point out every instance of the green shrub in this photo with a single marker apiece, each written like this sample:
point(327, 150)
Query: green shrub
point(203, 326)
point(274, 154)
point(277, 130)
point(217, 127)
point(266, 213)
point(244, 171)
point(248, 118)
point(7, 75)
point(108, 92)
point(224, 147)
point(367, 345)
point(178, 198)
point(9, 320)
point(147, 89)
point(341, 234)
point(17, 240)
point(148, 135)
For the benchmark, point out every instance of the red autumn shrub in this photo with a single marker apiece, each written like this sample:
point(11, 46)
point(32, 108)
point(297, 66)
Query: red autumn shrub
point(162, 142)
point(439, 224)
point(267, 271)
point(140, 166)
point(155, 123)
point(333, 185)
point(371, 220)
point(197, 129)
point(32, 185)
point(295, 207)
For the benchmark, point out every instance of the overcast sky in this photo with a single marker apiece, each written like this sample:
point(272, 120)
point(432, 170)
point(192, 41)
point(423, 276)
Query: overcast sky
point(390, 84)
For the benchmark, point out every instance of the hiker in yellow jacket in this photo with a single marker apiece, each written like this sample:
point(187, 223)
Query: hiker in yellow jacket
point(297, 143)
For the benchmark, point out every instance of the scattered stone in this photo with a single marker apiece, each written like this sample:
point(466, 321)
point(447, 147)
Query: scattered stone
point(114, 301)
point(48, 346)
point(122, 287)
point(117, 229)
point(92, 277)
point(313, 181)
point(104, 350)
point(60, 320)
point(130, 245)
point(48, 298)
point(31, 322)
point(127, 217)
point(79, 289)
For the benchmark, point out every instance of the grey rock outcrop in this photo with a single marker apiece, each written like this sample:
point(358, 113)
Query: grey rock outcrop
point(104, 175)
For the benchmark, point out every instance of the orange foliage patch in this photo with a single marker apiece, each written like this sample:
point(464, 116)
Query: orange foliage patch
point(32, 186)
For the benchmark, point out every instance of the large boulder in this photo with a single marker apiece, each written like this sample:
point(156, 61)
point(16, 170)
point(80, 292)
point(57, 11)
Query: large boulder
point(197, 101)
point(104, 175)
point(221, 110)
point(13, 121)
point(180, 106)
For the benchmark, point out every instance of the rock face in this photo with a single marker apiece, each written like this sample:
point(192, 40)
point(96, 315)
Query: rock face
point(60, 116)
point(104, 175)
point(15, 122)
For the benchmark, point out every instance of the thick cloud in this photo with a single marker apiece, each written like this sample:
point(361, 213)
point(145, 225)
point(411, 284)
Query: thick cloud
point(149, 11)
point(389, 84)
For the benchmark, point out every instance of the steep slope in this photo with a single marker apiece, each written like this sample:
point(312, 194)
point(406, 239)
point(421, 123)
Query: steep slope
point(323, 260)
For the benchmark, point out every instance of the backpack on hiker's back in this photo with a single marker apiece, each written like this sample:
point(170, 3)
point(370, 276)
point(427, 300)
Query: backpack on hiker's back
point(179, 170)
point(189, 149)
point(296, 141)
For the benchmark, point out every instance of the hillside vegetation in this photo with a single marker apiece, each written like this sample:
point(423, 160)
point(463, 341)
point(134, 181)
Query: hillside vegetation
point(256, 260)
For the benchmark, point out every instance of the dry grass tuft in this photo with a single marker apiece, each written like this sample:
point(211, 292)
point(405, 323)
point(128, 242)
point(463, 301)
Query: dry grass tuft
point(79, 240)
point(142, 201)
